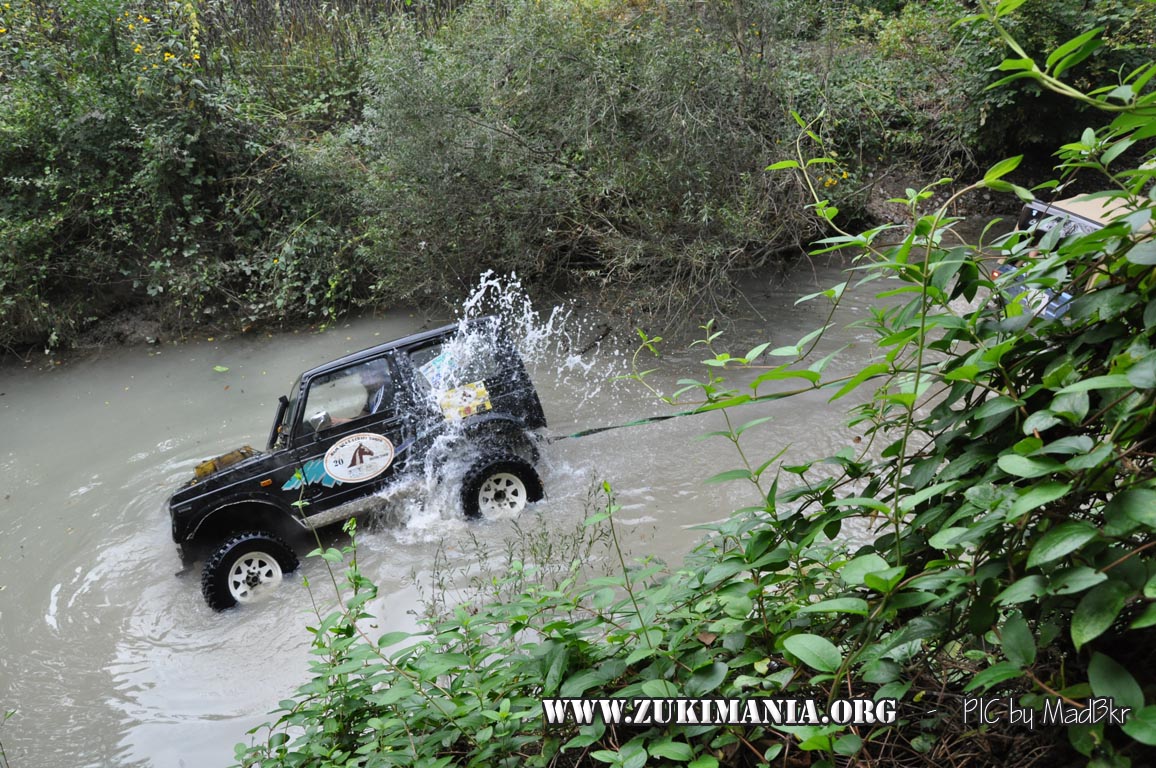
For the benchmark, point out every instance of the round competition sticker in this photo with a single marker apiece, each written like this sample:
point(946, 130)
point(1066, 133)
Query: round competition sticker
point(359, 457)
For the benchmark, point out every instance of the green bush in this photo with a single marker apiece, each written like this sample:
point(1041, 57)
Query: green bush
point(560, 139)
point(130, 177)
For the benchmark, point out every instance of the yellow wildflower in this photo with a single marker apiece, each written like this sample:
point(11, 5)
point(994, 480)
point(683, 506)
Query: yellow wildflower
point(131, 27)
point(169, 56)
point(137, 48)
point(196, 57)
point(3, 31)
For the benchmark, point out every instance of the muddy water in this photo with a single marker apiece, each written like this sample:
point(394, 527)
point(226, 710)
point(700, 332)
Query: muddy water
point(112, 660)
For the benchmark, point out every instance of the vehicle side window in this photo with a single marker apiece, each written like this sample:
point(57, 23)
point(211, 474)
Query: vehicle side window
point(351, 393)
point(449, 364)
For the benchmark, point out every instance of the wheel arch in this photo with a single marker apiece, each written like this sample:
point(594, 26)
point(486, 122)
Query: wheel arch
point(240, 515)
point(499, 433)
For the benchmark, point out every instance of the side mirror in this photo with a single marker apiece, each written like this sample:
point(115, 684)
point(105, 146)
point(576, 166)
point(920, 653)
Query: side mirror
point(320, 421)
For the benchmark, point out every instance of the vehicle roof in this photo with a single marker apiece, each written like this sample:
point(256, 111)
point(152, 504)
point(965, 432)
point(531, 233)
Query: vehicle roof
point(1098, 211)
point(371, 352)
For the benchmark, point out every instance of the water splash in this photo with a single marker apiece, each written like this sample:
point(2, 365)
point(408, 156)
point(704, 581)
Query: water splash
point(560, 340)
point(568, 361)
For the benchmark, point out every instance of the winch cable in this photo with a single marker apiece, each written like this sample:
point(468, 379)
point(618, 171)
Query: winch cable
point(707, 408)
point(635, 423)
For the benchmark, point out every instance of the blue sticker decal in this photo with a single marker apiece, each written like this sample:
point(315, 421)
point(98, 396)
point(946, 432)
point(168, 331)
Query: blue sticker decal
point(313, 472)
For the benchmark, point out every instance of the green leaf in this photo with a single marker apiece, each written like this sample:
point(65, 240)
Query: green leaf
point(1071, 46)
point(994, 675)
point(1040, 421)
point(1002, 168)
point(1037, 496)
point(1073, 59)
point(1023, 466)
point(886, 580)
point(704, 761)
point(783, 164)
point(392, 638)
point(706, 680)
point(855, 570)
point(1114, 381)
point(1141, 726)
point(1064, 539)
point(1145, 619)
point(1137, 504)
point(220, 368)
point(660, 689)
point(944, 539)
point(1143, 253)
point(1019, 645)
point(909, 503)
point(1027, 588)
point(854, 605)
point(1070, 581)
point(1108, 678)
point(603, 598)
point(875, 369)
point(848, 744)
point(814, 651)
point(1097, 610)
point(752, 423)
point(679, 751)
point(730, 474)
point(1142, 374)
point(861, 502)
point(1094, 458)
point(995, 407)
point(1016, 65)
point(1007, 6)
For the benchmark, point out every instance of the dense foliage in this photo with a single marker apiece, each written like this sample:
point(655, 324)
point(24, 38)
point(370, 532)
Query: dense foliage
point(234, 163)
point(1006, 467)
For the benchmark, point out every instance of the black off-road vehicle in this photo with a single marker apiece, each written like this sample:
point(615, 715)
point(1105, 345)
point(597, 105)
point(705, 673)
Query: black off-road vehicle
point(1049, 297)
point(349, 428)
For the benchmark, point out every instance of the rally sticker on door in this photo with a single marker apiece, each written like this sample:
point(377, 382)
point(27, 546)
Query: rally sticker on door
point(359, 457)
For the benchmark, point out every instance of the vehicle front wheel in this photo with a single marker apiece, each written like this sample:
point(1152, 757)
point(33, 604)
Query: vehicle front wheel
point(245, 568)
point(500, 486)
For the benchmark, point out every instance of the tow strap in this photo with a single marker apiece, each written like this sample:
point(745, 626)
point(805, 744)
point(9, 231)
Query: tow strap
point(635, 423)
point(703, 409)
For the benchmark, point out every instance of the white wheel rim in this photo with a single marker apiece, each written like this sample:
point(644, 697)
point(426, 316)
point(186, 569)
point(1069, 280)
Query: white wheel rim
point(502, 493)
point(252, 575)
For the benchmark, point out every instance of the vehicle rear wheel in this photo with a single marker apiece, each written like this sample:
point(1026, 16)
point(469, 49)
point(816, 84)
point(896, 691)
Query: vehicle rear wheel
point(245, 568)
point(500, 486)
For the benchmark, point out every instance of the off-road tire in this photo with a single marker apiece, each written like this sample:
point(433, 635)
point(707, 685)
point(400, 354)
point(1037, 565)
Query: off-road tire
point(262, 555)
point(504, 482)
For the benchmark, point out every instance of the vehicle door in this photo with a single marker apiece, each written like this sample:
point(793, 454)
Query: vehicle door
point(346, 436)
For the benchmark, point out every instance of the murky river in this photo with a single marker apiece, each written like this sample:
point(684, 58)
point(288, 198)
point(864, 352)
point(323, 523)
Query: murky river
point(109, 659)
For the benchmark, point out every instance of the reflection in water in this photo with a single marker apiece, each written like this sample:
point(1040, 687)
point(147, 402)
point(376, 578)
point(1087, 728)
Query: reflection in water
point(112, 660)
